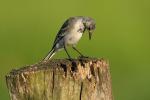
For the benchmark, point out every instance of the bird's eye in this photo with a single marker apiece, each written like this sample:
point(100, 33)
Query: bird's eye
point(92, 27)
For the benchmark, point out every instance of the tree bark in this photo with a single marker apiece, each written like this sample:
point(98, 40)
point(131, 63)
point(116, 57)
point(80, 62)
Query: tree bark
point(80, 79)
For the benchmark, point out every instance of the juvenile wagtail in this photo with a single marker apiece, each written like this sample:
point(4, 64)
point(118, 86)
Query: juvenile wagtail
point(70, 33)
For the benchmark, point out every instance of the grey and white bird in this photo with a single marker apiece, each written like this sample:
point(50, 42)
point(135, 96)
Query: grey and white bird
point(70, 33)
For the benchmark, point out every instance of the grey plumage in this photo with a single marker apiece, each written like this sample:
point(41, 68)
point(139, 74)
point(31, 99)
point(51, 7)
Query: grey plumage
point(70, 33)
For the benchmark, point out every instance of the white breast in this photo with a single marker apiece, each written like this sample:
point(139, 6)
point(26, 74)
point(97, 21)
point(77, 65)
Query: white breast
point(74, 35)
point(72, 39)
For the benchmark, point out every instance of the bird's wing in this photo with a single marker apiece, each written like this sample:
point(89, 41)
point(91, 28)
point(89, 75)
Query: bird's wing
point(63, 30)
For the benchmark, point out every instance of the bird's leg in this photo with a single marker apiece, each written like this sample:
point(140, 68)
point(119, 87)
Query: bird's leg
point(67, 53)
point(81, 55)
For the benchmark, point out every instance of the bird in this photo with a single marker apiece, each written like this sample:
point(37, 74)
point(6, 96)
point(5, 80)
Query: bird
point(70, 33)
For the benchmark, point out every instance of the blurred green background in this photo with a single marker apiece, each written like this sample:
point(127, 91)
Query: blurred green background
point(122, 35)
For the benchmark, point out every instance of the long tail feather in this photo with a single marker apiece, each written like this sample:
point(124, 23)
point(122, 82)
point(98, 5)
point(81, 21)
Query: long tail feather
point(50, 55)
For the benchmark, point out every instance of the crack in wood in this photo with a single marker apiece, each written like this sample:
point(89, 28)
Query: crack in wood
point(85, 79)
point(81, 90)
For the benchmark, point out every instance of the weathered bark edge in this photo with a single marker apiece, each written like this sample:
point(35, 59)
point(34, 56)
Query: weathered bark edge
point(80, 70)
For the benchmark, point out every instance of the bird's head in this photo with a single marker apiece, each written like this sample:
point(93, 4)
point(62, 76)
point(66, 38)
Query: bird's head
point(89, 24)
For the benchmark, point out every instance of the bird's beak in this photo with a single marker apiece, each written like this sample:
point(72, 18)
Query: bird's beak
point(90, 35)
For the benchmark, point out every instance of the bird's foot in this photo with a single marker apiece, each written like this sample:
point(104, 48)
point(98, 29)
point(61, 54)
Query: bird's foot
point(82, 56)
point(70, 59)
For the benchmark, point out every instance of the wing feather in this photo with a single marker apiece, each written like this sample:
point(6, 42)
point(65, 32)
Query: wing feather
point(63, 31)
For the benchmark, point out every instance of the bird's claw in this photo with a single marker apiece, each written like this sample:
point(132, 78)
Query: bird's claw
point(70, 59)
point(83, 56)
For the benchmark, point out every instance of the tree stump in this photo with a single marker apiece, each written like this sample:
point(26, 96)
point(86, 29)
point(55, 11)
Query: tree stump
point(61, 79)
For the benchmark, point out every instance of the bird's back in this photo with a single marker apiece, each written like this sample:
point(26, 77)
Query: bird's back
point(70, 26)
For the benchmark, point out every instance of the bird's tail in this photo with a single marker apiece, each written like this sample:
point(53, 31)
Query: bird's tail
point(50, 54)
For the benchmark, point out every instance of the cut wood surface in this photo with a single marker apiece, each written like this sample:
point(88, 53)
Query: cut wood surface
point(61, 79)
